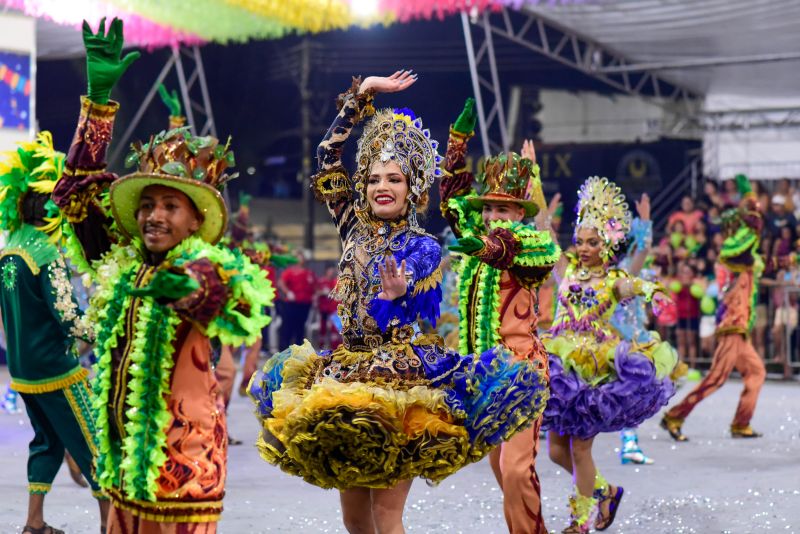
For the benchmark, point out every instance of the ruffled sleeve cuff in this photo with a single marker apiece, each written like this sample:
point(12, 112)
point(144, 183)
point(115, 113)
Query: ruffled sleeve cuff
point(642, 233)
point(85, 173)
point(205, 303)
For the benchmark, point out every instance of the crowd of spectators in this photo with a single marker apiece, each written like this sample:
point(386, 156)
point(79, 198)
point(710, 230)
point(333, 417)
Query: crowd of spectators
point(685, 258)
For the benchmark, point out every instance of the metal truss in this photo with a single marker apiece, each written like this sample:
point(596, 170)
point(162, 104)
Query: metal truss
point(751, 119)
point(194, 94)
point(539, 34)
point(488, 93)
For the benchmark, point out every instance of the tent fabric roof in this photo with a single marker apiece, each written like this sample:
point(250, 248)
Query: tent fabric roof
point(647, 31)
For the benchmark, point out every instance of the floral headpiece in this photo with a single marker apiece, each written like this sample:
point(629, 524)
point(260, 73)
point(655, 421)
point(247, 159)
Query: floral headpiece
point(33, 167)
point(397, 135)
point(602, 206)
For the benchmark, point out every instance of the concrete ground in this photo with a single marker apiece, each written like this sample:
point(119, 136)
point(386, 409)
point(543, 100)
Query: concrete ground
point(711, 484)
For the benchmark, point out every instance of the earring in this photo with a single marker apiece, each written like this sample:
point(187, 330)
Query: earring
point(412, 215)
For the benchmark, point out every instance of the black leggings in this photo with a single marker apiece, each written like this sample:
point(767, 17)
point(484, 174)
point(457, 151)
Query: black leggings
point(293, 323)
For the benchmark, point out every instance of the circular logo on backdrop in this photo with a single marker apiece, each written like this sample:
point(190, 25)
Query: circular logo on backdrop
point(638, 171)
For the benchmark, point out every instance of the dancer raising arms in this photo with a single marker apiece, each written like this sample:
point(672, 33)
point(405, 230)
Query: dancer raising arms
point(739, 269)
point(389, 404)
point(505, 262)
point(164, 288)
point(599, 382)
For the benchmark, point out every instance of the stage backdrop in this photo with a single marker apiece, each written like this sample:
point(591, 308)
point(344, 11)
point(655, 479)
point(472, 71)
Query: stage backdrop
point(17, 77)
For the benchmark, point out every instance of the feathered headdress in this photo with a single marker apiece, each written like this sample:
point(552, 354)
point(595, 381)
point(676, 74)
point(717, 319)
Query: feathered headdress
point(602, 206)
point(34, 167)
point(397, 135)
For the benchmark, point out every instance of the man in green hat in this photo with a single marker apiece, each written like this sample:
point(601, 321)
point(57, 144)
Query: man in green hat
point(505, 262)
point(42, 321)
point(165, 288)
point(738, 272)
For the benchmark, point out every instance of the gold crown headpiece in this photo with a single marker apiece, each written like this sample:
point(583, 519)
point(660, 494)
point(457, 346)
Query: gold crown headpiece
point(397, 135)
point(602, 206)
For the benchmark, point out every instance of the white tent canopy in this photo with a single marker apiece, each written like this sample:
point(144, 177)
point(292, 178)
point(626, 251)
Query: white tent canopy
point(743, 56)
point(675, 32)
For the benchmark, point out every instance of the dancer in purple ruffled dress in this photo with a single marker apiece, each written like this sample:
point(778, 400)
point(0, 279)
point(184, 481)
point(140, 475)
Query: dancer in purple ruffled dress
point(599, 382)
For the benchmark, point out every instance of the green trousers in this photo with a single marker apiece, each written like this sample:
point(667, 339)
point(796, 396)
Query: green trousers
point(61, 420)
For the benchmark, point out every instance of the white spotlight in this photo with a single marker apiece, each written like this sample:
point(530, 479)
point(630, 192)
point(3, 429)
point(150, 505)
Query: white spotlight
point(364, 8)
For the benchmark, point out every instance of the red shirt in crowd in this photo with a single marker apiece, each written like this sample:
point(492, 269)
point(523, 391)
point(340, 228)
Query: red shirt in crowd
point(301, 282)
point(326, 304)
point(688, 307)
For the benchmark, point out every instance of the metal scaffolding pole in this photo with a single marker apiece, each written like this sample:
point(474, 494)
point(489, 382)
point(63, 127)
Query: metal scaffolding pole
point(537, 33)
point(488, 93)
point(194, 94)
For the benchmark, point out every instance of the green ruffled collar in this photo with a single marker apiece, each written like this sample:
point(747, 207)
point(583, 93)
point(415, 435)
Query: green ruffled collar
point(34, 243)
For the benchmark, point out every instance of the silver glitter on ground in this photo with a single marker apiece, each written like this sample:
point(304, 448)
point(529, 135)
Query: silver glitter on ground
point(710, 485)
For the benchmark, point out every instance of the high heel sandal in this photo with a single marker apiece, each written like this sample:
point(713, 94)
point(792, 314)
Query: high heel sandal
point(631, 452)
point(603, 522)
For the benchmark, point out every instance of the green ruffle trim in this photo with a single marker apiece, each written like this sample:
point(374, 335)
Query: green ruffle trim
point(739, 243)
point(142, 453)
point(538, 247)
point(470, 222)
point(143, 448)
point(113, 300)
point(486, 313)
point(250, 292)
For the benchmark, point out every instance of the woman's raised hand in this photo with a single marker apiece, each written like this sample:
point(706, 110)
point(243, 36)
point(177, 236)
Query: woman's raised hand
point(528, 150)
point(399, 81)
point(643, 207)
point(393, 279)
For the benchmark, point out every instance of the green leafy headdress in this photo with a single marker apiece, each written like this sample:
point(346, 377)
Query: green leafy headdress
point(511, 178)
point(191, 164)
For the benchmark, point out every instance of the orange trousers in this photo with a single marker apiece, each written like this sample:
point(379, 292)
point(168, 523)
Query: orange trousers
point(733, 351)
point(514, 466)
point(123, 522)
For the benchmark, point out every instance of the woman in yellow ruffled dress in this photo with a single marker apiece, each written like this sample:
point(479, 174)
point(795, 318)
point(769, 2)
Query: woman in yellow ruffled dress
point(390, 404)
point(599, 382)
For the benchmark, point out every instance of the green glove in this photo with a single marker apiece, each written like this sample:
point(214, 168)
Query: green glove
point(743, 184)
point(103, 64)
point(467, 245)
point(172, 101)
point(283, 260)
point(465, 123)
point(167, 285)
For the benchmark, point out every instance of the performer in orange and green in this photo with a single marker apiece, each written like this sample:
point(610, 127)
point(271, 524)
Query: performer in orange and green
point(42, 322)
point(505, 261)
point(164, 288)
point(738, 271)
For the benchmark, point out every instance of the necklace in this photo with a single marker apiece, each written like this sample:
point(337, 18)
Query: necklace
point(585, 273)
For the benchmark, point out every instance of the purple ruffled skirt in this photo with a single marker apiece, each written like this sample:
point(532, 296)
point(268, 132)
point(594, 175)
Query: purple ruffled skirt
point(578, 409)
